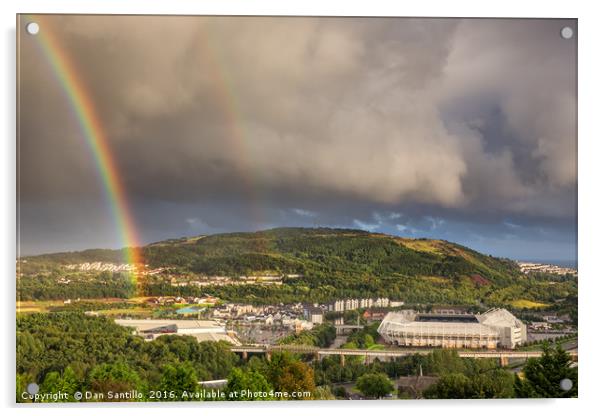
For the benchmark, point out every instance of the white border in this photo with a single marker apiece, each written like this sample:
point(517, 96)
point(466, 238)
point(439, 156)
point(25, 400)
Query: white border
point(590, 67)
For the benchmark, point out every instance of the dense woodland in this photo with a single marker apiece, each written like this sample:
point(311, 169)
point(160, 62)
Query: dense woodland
point(323, 253)
point(319, 336)
point(72, 352)
point(81, 285)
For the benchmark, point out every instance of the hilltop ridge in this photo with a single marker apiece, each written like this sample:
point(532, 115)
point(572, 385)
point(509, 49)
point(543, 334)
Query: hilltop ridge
point(321, 251)
point(314, 265)
point(304, 251)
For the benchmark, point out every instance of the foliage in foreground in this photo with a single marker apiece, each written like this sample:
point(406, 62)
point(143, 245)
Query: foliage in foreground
point(543, 375)
point(72, 352)
point(374, 385)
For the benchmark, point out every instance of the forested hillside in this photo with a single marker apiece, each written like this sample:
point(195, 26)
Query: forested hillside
point(318, 264)
point(324, 251)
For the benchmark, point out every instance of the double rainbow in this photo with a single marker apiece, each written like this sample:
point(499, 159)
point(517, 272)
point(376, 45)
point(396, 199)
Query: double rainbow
point(94, 135)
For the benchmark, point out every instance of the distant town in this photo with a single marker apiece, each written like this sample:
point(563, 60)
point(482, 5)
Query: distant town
point(528, 267)
point(247, 323)
point(265, 323)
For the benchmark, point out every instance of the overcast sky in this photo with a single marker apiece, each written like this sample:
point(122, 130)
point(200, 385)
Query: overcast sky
point(463, 130)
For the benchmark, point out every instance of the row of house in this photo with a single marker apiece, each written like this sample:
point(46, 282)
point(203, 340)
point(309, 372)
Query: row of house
point(343, 305)
point(375, 309)
point(101, 266)
point(278, 319)
point(249, 312)
point(188, 300)
point(528, 267)
point(228, 281)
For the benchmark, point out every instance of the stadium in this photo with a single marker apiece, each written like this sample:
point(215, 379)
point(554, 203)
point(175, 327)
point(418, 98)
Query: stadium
point(496, 328)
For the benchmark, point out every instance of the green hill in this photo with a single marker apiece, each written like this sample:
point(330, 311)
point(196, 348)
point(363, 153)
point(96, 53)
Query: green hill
point(333, 263)
point(325, 252)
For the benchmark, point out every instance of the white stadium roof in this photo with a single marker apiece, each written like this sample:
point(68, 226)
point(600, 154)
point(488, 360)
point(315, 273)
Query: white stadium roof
point(404, 323)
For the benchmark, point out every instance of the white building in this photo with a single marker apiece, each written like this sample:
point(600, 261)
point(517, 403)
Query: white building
point(151, 329)
point(511, 330)
point(364, 303)
point(352, 304)
point(314, 315)
point(492, 329)
point(381, 303)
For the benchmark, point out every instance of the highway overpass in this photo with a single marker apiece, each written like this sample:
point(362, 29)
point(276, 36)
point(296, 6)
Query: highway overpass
point(390, 354)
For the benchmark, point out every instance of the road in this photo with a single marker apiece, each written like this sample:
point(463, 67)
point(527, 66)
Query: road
point(387, 353)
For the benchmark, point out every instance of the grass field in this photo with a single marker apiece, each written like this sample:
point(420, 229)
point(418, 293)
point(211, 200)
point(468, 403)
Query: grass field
point(37, 306)
point(111, 307)
point(126, 311)
point(436, 279)
point(528, 304)
point(43, 306)
point(428, 246)
point(376, 347)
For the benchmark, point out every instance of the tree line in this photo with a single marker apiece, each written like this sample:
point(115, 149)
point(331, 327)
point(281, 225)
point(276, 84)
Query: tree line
point(72, 352)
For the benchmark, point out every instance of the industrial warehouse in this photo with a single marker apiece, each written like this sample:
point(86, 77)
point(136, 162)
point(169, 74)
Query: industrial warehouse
point(492, 329)
point(150, 329)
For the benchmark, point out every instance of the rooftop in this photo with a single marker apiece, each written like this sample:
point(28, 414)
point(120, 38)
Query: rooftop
point(179, 324)
point(446, 318)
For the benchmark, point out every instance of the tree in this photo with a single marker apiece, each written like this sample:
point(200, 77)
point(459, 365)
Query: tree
point(289, 375)
point(54, 382)
point(478, 383)
point(543, 375)
point(251, 382)
point(340, 391)
point(21, 385)
point(114, 378)
point(450, 386)
point(296, 377)
point(179, 378)
point(323, 393)
point(321, 336)
point(443, 362)
point(374, 385)
point(497, 383)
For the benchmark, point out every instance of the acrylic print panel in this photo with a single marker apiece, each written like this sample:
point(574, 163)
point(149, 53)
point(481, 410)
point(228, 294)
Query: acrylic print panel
point(295, 208)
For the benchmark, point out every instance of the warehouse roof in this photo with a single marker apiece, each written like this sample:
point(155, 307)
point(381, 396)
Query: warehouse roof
point(144, 325)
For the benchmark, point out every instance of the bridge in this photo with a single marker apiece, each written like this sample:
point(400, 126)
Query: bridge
point(347, 329)
point(390, 354)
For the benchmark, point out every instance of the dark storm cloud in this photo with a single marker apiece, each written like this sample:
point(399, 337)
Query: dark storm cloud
point(220, 124)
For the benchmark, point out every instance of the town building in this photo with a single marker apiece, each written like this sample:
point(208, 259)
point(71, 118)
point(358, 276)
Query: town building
point(351, 304)
point(374, 314)
point(381, 303)
point(441, 310)
point(414, 386)
point(313, 314)
point(343, 305)
point(540, 326)
point(151, 329)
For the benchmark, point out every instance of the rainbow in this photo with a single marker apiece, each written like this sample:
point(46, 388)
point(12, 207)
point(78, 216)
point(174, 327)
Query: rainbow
point(96, 138)
point(226, 100)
